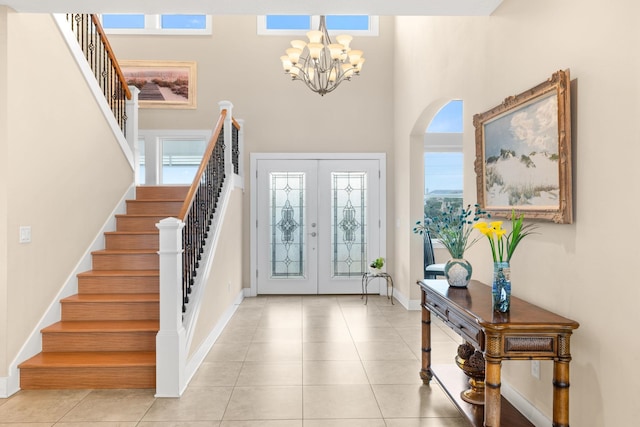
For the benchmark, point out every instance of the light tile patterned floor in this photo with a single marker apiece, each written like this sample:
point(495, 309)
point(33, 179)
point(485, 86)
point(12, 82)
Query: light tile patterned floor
point(282, 361)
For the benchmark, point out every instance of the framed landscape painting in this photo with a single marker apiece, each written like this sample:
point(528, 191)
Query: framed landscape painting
point(162, 84)
point(523, 153)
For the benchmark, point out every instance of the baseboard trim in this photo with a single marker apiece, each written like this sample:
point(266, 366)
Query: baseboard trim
point(525, 407)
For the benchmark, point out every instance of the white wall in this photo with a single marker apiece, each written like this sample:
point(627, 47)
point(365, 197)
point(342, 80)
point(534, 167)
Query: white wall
point(280, 115)
point(583, 271)
point(63, 172)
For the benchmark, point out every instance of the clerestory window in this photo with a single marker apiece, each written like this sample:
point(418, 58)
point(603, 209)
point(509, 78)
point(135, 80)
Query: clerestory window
point(156, 24)
point(362, 25)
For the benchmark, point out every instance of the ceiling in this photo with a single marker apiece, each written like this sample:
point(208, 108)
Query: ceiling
point(262, 7)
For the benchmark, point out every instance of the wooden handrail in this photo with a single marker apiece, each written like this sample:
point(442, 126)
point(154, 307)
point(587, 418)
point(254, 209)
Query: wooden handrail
point(205, 159)
point(235, 124)
point(112, 56)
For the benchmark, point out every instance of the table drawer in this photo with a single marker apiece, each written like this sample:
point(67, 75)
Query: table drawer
point(467, 328)
point(436, 306)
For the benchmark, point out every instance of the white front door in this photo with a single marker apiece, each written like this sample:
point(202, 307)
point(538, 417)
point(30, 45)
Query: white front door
point(318, 225)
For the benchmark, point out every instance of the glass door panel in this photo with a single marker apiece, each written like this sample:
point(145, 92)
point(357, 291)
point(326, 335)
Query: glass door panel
point(318, 225)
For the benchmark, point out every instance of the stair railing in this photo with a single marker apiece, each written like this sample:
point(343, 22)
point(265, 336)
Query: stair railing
point(182, 245)
point(200, 205)
point(95, 45)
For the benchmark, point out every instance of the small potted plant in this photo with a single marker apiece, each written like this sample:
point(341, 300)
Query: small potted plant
point(453, 228)
point(376, 265)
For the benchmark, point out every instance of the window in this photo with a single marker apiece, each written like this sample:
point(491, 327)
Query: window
point(299, 24)
point(156, 24)
point(443, 160)
point(169, 156)
point(181, 159)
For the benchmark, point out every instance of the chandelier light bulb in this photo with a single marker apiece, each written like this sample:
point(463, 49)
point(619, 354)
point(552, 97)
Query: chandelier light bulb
point(344, 40)
point(315, 36)
point(299, 44)
point(315, 49)
point(293, 54)
point(354, 57)
point(286, 63)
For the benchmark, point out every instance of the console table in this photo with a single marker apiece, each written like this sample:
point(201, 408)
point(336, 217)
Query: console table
point(527, 332)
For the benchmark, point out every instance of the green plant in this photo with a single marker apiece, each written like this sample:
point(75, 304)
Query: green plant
point(502, 242)
point(453, 227)
point(377, 263)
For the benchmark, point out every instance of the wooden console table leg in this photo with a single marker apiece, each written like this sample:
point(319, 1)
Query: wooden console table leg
point(492, 392)
point(560, 393)
point(425, 372)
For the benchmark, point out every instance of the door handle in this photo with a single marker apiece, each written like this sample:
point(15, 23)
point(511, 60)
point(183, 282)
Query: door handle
point(313, 234)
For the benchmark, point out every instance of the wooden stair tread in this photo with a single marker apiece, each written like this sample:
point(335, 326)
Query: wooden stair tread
point(125, 252)
point(156, 200)
point(132, 233)
point(90, 359)
point(120, 273)
point(145, 215)
point(103, 326)
point(112, 298)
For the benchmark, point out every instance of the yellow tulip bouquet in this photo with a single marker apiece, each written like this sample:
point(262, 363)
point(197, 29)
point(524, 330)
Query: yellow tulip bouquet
point(502, 243)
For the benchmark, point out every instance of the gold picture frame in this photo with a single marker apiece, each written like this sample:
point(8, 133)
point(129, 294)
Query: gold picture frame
point(162, 84)
point(523, 153)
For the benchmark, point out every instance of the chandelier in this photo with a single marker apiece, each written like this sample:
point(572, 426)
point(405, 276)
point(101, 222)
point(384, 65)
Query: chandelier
point(321, 64)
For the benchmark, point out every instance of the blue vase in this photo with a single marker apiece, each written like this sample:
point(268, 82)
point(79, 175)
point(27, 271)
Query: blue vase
point(501, 289)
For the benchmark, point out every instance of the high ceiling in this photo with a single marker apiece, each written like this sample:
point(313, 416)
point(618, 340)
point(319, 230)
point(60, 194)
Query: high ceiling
point(262, 7)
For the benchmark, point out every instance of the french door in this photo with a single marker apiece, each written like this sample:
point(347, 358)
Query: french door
point(318, 225)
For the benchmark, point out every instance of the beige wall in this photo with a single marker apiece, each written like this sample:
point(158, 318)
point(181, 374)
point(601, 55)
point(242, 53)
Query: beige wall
point(4, 164)
point(65, 172)
point(225, 280)
point(584, 270)
point(280, 116)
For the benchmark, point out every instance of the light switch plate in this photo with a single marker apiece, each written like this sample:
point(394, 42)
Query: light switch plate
point(535, 369)
point(25, 234)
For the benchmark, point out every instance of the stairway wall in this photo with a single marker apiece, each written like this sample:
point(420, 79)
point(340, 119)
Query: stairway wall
point(225, 280)
point(65, 173)
point(3, 189)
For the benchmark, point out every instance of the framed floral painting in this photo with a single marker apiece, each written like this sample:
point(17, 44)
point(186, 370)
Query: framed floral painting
point(523, 153)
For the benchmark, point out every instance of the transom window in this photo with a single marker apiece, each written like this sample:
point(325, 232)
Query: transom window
point(156, 24)
point(443, 160)
point(362, 25)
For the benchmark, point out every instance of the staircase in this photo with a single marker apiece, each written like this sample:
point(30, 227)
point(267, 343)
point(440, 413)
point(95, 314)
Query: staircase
point(107, 335)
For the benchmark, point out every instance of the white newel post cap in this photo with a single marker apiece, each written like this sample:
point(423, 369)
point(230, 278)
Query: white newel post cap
point(226, 105)
point(170, 242)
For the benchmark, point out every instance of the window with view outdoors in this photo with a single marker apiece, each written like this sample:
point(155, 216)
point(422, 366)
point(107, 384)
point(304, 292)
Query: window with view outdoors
point(156, 24)
point(443, 168)
point(300, 24)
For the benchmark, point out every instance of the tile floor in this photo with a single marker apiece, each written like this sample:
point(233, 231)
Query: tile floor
point(282, 361)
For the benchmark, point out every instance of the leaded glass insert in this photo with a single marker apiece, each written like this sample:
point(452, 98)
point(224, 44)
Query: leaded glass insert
point(348, 224)
point(287, 195)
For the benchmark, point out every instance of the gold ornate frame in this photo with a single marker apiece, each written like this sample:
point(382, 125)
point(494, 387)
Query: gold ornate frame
point(518, 144)
point(167, 94)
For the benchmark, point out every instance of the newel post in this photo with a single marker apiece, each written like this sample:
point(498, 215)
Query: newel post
point(228, 123)
point(171, 338)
